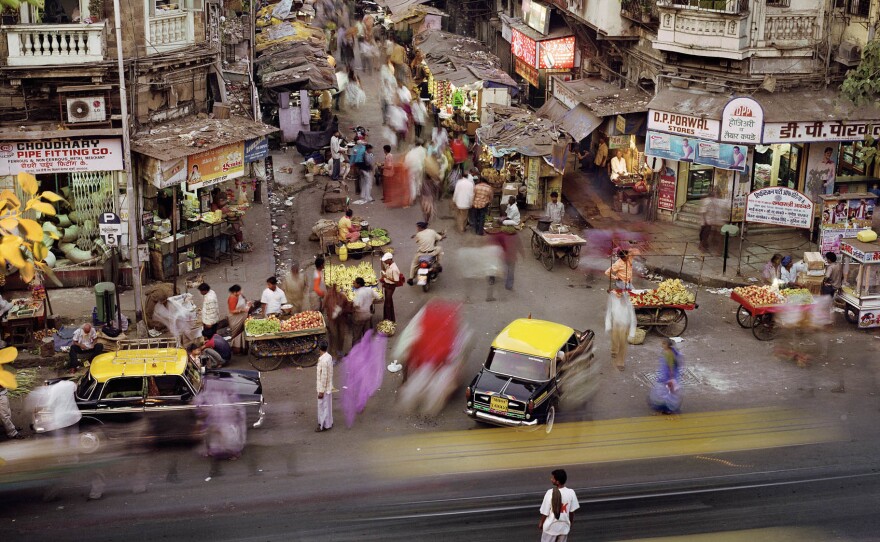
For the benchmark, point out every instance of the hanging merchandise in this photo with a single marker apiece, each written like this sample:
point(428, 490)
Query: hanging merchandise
point(91, 194)
point(457, 98)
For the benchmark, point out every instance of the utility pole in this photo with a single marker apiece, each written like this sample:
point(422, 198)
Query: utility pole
point(129, 181)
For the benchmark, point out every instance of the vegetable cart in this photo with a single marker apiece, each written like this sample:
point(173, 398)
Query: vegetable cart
point(268, 351)
point(548, 246)
point(761, 317)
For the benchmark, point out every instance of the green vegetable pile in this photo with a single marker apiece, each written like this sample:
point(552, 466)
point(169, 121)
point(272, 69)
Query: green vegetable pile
point(508, 229)
point(378, 232)
point(262, 326)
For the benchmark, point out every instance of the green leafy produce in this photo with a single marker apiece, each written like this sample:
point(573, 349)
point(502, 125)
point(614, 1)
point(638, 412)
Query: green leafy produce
point(262, 326)
point(378, 232)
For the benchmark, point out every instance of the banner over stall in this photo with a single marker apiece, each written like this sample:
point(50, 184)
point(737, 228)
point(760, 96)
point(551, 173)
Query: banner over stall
point(215, 166)
point(61, 156)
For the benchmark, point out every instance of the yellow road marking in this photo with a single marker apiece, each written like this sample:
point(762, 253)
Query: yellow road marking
point(490, 449)
point(776, 534)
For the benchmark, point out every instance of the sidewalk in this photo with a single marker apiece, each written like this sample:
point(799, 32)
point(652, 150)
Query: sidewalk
point(674, 248)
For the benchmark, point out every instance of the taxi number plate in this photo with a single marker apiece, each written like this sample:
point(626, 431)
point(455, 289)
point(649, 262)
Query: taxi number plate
point(498, 404)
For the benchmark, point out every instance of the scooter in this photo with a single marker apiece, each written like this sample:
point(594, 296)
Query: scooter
point(428, 271)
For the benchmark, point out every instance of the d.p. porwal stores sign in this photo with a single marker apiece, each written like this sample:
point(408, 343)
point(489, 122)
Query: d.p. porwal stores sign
point(60, 156)
point(686, 125)
point(780, 206)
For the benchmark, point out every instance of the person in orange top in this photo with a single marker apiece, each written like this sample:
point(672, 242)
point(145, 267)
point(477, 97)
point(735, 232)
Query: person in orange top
point(621, 271)
point(239, 307)
point(318, 285)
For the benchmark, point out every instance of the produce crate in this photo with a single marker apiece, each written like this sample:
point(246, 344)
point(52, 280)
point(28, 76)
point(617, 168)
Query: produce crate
point(289, 334)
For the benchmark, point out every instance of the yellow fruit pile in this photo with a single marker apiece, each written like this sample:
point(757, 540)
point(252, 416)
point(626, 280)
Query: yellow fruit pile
point(797, 296)
point(668, 292)
point(342, 276)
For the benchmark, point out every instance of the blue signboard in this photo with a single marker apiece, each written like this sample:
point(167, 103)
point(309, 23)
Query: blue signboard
point(256, 149)
point(699, 151)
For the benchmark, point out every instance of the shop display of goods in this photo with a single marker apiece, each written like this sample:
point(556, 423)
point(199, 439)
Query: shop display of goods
point(342, 276)
point(356, 245)
point(668, 292)
point(379, 241)
point(797, 296)
point(758, 296)
point(41, 334)
point(303, 320)
point(378, 232)
point(210, 218)
point(262, 326)
point(386, 327)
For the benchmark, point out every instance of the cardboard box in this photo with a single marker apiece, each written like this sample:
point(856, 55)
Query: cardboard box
point(813, 284)
point(814, 260)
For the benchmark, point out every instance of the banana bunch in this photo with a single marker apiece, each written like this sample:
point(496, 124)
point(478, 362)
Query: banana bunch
point(342, 276)
point(668, 292)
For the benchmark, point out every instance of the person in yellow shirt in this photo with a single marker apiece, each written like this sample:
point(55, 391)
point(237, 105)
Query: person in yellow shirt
point(345, 232)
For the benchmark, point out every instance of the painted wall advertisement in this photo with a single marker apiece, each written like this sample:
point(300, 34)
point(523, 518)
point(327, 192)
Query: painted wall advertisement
point(215, 166)
point(666, 190)
point(523, 47)
point(683, 149)
point(256, 149)
point(684, 125)
point(742, 121)
point(721, 155)
point(60, 156)
point(556, 54)
point(821, 168)
point(780, 206)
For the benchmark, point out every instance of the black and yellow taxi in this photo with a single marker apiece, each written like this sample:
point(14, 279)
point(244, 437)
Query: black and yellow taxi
point(518, 385)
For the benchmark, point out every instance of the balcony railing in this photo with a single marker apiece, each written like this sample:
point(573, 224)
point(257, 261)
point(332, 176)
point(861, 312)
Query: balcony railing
point(170, 31)
point(724, 6)
point(54, 44)
point(790, 27)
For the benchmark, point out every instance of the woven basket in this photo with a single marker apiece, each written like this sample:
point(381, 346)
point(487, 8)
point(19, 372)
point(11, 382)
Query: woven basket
point(639, 337)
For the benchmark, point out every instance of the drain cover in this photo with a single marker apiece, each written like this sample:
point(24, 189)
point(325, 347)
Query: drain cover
point(688, 378)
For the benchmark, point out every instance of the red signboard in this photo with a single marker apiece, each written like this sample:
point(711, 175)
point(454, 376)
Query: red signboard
point(666, 191)
point(556, 54)
point(523, 47)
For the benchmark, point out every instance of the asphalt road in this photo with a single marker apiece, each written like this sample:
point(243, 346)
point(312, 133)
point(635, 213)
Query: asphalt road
point(765, 449)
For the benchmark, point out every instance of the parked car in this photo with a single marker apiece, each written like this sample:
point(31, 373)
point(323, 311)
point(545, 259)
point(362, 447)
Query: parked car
point(519, 384)
point(156, 383)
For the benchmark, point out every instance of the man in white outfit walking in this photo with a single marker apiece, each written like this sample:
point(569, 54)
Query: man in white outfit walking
point(325, 389)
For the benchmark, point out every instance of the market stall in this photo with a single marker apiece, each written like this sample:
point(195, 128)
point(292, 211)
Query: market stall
point(664, 309)
point(861, 282)
point(273, 340)
point(342, 278)
point(759, 305)
point(843, 216)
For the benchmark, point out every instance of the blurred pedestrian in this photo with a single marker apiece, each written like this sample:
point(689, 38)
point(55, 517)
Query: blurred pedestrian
point(463, 198)
point(362, 311)
point(715, 214)
point(621, 271)
point(557, 509)
point(362, 372)
point(415, 165)
point(6, 416)
point(295, 288)
point(225, 422)
point(510, 246)
point(337, 308)
point(368, 174)
point(419, 115)
point(665, 395)
point(341, 83)
point(210, 308)
point(239, 308)
point(483, 195)
point(620, 323)
point(392, 278)
point(325, 388)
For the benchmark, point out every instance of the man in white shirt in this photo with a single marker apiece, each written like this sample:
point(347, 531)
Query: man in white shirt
point(557, 509)
point(336, 154)
point(788, 272)
point(555, 209)
point(273, 297)
point(618, 165)
point(512, 212)
point(325, 389)
point(84, 343)
point(210, 309)
point(463, 197)
point(362, 309)
point(426, 245)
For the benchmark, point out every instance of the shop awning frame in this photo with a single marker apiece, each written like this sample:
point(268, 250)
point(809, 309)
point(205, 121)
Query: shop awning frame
point(605, 99)
point(186, 137)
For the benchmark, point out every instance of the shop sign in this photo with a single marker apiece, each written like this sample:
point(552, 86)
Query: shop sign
point(556, 54)
point(780, 206)
point(721, 155)
point(256, 149)
point(215, 166)
point(860, 254)
point(618, 142)
point(831, 239)
point(523, 47)
point(670, 147)
point(742, 121)
point(60, 156)
point(527, 72)
point(620, 124)
point(686, 125)
point(846, 214)
point(805, 132)
point(565, 95)
point(666, 190)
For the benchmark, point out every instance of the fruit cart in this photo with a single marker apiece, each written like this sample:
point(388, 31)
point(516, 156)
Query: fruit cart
point(547, 246)
point(759, 304)
point(664, 309)
point(269, 349)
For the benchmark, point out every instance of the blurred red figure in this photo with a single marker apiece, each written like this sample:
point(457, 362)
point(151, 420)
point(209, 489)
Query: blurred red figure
point(395, 188)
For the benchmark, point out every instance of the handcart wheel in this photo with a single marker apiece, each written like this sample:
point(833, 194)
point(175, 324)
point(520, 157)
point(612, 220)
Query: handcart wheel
point(677, 322)
point(309, 359)
point(764, 327)
point(743, 317)
point(851, 314)
point(547, 258)
point(536, 245)
point(573, 257)
point(269, 363)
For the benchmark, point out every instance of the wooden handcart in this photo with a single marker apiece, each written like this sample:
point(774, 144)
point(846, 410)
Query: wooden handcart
point(760, 318)
point(667, 320)
point(548, 246)
point(269, 351)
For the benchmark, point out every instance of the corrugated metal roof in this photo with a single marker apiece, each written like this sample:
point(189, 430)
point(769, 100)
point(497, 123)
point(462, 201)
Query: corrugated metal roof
point(606, 99)
point(460, 60)
point(193, 135)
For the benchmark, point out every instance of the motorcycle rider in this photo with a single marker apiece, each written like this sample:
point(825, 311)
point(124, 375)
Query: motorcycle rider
point(426, 245)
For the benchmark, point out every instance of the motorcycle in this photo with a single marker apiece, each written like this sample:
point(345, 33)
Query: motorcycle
point(360, 133)
point(428, 271)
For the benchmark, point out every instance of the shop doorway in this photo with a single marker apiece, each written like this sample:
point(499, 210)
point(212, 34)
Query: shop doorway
point(700, 181)
point(777, 165)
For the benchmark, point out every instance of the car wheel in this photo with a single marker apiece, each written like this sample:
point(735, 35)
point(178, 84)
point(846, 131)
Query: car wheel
point(91, 439)
point(551, 417)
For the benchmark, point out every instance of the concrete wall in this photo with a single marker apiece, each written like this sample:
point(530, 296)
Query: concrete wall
point(604, 16)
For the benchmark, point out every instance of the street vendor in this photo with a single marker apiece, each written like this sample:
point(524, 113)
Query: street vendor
point(273, 297)
point(85, 343)
point(621, 271)
point(555, 208)
point(771, 269)
point(512, 213)
point(618, 165)
point(788, 273)
point(220, 202)
point(346, 232)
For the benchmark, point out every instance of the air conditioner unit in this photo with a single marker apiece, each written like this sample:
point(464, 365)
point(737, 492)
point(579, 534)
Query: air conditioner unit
point(849, 53)
point(86, 109)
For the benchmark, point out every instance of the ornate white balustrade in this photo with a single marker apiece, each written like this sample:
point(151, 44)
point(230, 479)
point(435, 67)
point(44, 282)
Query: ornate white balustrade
point(790, 28)
point(54, 44)
point(170, 31)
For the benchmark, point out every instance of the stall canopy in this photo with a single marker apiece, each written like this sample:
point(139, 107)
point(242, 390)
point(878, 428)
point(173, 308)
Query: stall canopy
point(415, 14)
point(461, 61)
point(400, 6)
point(601, 98)
point(185, 137)
point(578, 122)
point(295, 65)
point(518, 131)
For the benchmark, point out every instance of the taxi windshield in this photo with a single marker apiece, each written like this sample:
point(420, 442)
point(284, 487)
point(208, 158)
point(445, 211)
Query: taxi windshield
point(518, 365)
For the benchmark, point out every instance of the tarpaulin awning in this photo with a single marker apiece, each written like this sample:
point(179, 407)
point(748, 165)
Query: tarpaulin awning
point(603, 99)
point(399, 6)
point(185, 137)
point(688, 102)
point(553, 109)
point(416, 13)
point(460, 60)
point(578, 122)
point(520, 132)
